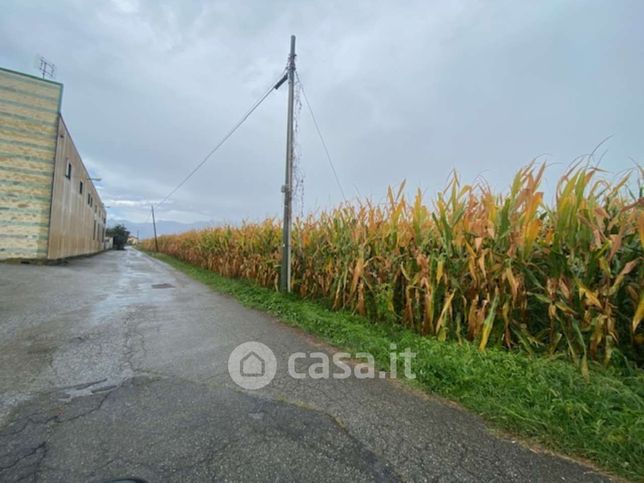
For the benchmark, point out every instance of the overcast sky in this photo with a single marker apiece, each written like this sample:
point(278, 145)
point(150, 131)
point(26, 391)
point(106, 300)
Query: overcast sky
point(401, 90)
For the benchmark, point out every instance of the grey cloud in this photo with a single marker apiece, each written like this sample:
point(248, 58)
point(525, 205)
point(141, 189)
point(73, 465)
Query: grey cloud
point(402, 90)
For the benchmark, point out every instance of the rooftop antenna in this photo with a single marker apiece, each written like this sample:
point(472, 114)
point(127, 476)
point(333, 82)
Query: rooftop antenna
point(46, 68)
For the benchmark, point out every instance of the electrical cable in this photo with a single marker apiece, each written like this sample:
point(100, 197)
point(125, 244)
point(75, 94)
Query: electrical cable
point(273, 87)
point(317, 128)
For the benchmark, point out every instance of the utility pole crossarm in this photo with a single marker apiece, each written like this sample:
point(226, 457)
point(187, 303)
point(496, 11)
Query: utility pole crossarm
point(285, 275)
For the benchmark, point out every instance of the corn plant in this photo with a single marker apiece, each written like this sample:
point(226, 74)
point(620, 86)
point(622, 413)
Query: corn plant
point(504, 270)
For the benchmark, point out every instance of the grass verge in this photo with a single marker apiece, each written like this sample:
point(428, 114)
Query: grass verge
point(544, 400)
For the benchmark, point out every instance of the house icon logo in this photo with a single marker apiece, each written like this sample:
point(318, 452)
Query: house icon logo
point(252, 365)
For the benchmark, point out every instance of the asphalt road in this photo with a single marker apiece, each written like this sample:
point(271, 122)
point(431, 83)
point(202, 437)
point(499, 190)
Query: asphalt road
point(117, 365)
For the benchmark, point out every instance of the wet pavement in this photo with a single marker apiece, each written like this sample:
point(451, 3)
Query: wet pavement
point(117, 365)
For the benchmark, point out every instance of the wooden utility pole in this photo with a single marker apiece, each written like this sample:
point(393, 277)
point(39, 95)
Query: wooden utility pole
point(287, 189)
point(154, 225)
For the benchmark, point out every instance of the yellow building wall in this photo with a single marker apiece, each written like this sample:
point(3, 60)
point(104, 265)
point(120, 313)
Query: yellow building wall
point(29, 112)
point(77, 219)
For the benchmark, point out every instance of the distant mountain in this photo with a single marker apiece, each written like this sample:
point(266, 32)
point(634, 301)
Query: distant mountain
point(145, 230)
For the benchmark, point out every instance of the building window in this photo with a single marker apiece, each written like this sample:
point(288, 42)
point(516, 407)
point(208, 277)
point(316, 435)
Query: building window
point(68, 172)
point(80, 188)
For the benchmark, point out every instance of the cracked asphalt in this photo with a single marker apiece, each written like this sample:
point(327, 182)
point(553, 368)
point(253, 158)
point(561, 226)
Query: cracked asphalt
point(104, 376)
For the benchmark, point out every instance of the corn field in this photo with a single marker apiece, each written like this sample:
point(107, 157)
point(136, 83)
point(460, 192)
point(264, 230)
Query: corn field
point(497, 270)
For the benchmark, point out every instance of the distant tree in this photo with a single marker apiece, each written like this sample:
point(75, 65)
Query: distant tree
point(120, 235)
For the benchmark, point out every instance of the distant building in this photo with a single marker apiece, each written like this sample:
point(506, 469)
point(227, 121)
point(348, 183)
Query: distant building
point(49, 207)
point(132, 240)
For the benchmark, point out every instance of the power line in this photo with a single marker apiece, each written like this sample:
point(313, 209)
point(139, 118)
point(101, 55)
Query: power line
point(317, 128)
point(273, 87)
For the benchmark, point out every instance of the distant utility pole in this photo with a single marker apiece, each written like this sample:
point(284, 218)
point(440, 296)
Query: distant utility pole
point(287, 189)
point(154, 225)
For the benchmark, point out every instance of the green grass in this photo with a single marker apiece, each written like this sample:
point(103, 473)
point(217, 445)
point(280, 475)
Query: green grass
point(544, 400)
